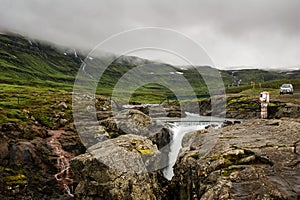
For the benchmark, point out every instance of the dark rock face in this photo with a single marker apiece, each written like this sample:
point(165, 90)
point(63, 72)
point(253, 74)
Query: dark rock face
point(28, 164)
point(117, 169)
point(258, 159)
point(162, 140)
point(289, 110)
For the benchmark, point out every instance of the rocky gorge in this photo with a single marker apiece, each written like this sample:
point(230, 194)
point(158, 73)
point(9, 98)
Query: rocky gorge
point(258, 159)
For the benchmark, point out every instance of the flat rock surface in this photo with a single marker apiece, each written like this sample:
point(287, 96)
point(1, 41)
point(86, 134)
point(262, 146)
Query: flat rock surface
point(258, 159)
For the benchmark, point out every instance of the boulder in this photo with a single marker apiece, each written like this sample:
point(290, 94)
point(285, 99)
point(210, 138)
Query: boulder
point(127, 122)
point(118, 169)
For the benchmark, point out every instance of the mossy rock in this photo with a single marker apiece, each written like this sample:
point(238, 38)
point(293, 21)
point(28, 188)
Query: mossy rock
point(146, 151)
point(19, 179)
point(10, 177)
point(227, 172)
point(195, 156)
point(214, 158)
point(6, 170)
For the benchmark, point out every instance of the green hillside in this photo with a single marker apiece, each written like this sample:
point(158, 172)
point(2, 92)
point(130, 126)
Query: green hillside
point(26, 62)
point(34, 63)
point(34, 74)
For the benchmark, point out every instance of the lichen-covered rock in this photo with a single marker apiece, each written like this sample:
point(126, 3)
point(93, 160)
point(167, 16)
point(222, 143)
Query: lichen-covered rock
point(117, 169)
point(127, 121)
point(258, 159)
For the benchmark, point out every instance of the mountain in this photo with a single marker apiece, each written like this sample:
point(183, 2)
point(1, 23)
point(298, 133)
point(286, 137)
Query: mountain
point(28, 62)
point(24, 61)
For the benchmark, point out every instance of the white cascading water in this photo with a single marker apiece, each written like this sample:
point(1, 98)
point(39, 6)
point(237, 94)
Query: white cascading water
point(63, 176)
point(178, 130)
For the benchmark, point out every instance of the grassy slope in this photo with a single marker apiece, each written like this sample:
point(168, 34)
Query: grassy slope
point(23, 62)
point(38, 73)
point(17, 100)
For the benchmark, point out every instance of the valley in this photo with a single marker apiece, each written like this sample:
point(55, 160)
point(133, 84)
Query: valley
point(44, 155)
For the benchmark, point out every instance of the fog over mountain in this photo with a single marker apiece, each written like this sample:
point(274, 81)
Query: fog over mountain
point(240, 34)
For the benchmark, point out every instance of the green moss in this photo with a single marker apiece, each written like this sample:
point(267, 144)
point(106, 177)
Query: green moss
point(18, 179)
point(146, 151)
point(46, 121)
point(234, 159)
point(214, 158)
point(15, 114)
point(237, 99)
point(271, 104)
point(227, 172)
point(195, 156)
point(113, 134)
point(6, 169)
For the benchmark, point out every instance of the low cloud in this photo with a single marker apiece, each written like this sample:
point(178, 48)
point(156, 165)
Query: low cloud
point(235, 33)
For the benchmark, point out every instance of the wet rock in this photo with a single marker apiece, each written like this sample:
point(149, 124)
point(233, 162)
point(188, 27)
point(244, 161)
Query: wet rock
point(173, 109)
point(227, 123)
point(27, 162)
point(162, 140)
point(257, 159)
point(26, 153)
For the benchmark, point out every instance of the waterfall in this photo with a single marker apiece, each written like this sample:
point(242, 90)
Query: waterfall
point(178, 130)
point(192, 122)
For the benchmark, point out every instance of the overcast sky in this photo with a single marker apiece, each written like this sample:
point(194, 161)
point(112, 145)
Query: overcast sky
point(252, 33)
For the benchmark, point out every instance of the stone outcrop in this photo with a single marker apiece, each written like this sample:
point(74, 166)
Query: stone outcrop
point(127, 121)
point(289, 110)
point(118, 169)
point(28, 163)
point(169, 109)
point(258, 159)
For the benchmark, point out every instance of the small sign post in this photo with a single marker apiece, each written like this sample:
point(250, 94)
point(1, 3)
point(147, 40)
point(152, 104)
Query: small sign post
point(264, 99)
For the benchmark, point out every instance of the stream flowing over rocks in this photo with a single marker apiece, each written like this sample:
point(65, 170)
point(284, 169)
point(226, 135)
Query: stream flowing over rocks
point(64, 175)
